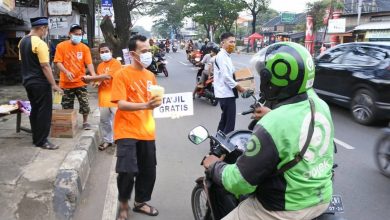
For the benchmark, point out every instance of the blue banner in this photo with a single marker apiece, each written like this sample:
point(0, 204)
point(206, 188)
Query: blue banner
point(106, 3)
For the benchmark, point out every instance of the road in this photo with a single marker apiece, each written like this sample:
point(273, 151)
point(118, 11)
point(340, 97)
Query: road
point(366, 193)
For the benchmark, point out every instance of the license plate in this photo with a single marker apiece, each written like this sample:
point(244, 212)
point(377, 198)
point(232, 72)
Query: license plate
point(336, 204)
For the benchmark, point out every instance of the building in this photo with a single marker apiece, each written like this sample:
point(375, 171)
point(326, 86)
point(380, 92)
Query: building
point(374, 24)
point(284, 28)
point(15, 24)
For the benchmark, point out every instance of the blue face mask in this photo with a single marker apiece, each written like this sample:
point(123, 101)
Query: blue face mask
point(76, 39)
point(106, 56)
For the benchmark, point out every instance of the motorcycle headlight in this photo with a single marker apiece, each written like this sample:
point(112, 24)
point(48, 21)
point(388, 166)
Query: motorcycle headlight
point(197, 59)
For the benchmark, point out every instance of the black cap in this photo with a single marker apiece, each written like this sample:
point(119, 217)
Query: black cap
point(75, 27)
point(39, 21)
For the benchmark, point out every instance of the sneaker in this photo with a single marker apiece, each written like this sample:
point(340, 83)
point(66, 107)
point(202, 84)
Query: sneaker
point(49, 146)
point(87, 126)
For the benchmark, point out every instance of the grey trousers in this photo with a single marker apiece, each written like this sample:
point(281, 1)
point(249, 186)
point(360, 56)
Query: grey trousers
point(106, 118)
point(251, 209)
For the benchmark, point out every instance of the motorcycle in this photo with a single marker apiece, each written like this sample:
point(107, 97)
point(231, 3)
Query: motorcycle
point(159, 64)
point(204, 202)
point(195, 57)
point(382, 152)
point(207, 90)
point(167, 49)
point(174, 48)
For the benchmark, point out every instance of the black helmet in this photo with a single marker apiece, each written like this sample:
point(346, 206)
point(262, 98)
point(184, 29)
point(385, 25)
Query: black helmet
point(286, 69)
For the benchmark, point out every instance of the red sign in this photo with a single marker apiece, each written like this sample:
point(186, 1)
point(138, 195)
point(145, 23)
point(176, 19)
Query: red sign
point(246, 40)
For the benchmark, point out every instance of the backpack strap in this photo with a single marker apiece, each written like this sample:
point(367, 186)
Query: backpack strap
point(299, 156)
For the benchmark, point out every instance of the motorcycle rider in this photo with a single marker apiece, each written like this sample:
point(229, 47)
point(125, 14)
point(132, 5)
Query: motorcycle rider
point(155, 50)
point(208, 63)
point(303, 190)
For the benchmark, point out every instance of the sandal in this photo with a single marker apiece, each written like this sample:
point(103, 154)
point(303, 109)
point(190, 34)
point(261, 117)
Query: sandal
point(104, 146)
point(123, 213)
point(138, 208)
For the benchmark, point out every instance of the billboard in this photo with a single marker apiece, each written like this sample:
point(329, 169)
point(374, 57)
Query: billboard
point(287, 17)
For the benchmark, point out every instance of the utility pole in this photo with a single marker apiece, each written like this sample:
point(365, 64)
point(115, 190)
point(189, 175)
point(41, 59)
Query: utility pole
point(360, 5)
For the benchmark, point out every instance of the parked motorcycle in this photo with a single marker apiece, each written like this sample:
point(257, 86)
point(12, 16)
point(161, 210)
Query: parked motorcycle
point(159, 64)
point(207, 90)
point(233, 145)
point(382, 152)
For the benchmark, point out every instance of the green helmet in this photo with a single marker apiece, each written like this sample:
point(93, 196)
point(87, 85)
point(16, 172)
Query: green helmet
point(286, 69)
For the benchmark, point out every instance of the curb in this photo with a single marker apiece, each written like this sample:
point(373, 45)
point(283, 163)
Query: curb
point(73, 175)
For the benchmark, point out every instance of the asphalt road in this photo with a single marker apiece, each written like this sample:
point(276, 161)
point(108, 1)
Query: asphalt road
point(366, 193)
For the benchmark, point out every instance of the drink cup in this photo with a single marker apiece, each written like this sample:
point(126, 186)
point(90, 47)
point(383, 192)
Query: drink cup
point(57, 98)
point(156, 90)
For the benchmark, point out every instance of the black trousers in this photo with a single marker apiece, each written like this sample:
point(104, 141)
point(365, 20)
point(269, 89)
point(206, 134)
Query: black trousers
point(41, 101)
point(228, 116)
point(136, 163)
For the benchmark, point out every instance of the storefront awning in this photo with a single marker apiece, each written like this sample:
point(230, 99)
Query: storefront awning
point(6, 19)
point(373, 26)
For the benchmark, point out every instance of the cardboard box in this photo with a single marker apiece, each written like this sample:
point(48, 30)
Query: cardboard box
point(64, 123)
point(63, 130)
point(245, 78)
point(64, 116)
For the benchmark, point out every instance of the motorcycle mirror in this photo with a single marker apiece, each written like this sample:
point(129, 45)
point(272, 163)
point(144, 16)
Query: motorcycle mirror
point(198, 135)
point(247, 94)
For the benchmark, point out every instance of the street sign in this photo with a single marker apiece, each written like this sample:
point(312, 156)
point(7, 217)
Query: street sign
point(336, 25)
point(175, 105)
point(287, 17)
point(106, 3)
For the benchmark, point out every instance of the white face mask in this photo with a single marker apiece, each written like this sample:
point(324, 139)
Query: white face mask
point(76, 39)
point(146, 59)
point(106, 56)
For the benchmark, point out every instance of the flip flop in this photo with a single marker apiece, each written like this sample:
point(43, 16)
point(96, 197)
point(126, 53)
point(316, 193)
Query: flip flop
point(123, 213)
point(104, 146)
point(153, 211)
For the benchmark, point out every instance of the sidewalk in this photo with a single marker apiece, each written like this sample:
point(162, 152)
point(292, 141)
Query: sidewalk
point(43, 184)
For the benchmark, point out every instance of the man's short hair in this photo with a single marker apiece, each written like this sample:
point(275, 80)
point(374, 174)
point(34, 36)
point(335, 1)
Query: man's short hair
point(226, 35)
point(133, 41)
point(105, 45)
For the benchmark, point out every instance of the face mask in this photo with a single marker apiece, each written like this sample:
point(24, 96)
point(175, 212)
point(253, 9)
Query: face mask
point(76, 39)
point(106, 56)
point(45, 33)
point(230, 48)
point(146, 59)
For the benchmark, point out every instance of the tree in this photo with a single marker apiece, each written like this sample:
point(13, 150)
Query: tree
point(213, 14)
point(255, 7)
point(118, 36)
point(170, 17)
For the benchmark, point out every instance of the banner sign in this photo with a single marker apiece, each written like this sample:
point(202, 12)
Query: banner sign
point(175, 105)
point(59, 8)
point(106, 3)
point(287, 17)
point(336, 25)
point(58, 23)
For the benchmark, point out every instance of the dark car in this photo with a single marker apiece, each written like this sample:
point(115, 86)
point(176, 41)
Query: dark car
point(356, 76)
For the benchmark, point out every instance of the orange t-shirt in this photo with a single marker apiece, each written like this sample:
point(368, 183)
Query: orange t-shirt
point(133, 85)
point(74, 58)
point(104, 91)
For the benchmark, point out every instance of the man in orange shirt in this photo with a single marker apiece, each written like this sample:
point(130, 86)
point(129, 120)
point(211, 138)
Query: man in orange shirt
point(134, 129)
point(105, 71)
point(71, 58)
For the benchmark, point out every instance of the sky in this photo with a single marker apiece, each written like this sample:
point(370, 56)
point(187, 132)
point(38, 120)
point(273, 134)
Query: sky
point(279, 5)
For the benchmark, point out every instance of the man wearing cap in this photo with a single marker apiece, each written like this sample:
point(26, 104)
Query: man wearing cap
point(38, 80)
point(71, 58)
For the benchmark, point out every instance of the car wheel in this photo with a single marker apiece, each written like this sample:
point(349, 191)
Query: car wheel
point(363, 107)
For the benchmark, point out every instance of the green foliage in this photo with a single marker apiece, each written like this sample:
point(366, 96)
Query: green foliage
point(255, 7)
point(218, 15)
point(318, 10)
point(170, 17)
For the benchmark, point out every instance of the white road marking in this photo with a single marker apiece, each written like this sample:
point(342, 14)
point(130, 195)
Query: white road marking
point(185, 64)
point(343, 144)
point(111, 202)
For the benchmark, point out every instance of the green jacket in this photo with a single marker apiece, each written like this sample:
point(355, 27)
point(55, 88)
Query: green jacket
point(277, 138)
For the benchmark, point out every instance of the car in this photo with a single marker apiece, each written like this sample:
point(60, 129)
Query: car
point(356, 76)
